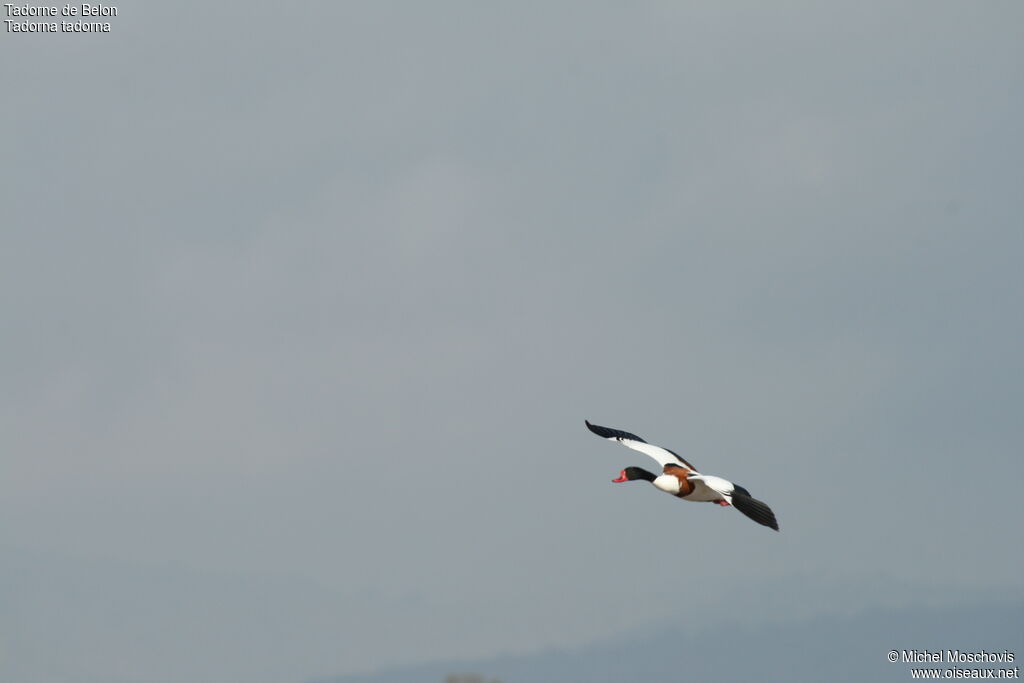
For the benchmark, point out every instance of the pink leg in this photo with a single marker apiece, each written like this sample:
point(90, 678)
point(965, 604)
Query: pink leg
point(723, 503)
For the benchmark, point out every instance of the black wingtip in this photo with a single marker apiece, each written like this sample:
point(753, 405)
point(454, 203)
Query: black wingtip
point(754, 509)
point(609, 433)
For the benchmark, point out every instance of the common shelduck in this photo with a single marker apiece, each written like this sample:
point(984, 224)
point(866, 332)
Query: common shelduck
point(682, 479)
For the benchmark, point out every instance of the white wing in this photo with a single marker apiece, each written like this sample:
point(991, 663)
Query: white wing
point(707, 487)
point(663, 455)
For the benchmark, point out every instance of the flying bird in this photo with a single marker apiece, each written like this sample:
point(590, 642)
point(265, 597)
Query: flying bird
point(681, 479)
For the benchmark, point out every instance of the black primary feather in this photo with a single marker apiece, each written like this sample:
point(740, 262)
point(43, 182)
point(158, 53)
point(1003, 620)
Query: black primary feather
point(609, 433)
point(753, 508)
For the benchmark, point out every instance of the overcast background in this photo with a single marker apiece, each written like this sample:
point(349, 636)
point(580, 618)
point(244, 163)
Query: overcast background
point(303, 308)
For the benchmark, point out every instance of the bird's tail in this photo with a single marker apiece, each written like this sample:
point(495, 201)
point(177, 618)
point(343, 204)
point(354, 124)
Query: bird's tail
point(755, 509)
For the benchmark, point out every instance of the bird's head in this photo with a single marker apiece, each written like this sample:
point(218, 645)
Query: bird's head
point(634, 473)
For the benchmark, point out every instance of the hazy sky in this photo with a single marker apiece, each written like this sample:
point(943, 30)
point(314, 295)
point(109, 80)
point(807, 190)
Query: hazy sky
point(303, 309)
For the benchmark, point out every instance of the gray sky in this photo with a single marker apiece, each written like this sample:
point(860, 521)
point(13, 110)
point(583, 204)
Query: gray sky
point(303, 312)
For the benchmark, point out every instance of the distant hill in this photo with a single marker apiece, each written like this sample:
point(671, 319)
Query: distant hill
point(822, 649)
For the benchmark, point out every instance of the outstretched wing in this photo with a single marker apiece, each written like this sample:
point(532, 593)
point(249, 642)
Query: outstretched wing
point(663, 455)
